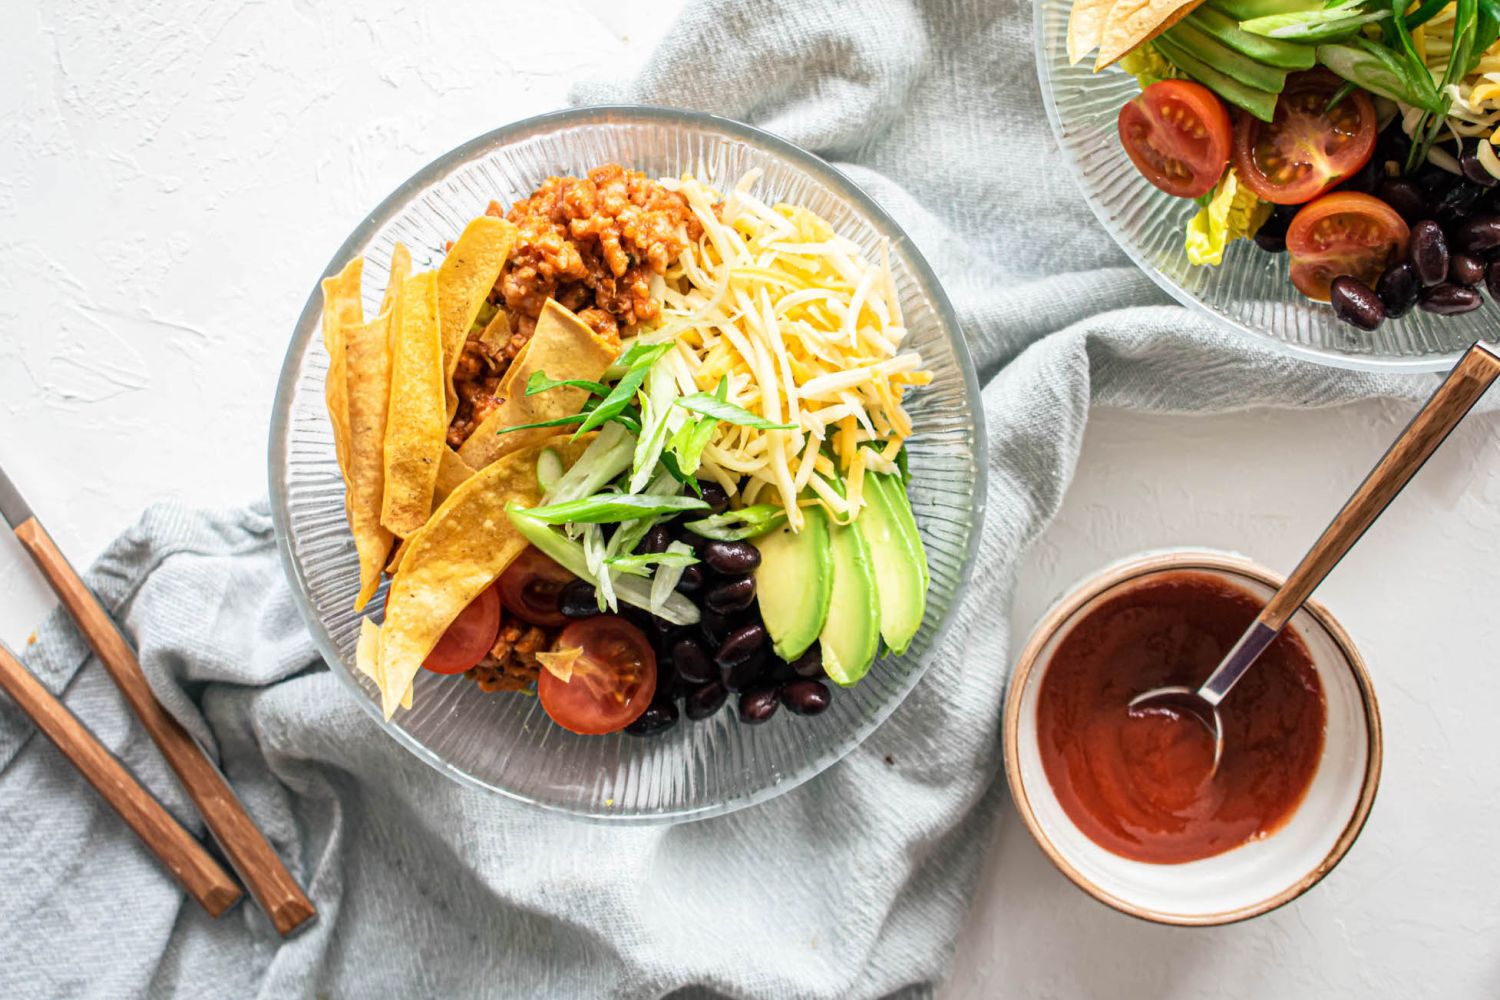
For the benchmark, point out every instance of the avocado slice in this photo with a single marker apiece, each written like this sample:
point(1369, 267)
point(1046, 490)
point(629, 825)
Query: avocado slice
point(1202, 45)
point(1270, 51)
point(795, 583)
point(899, 562)
point(1260, 103)
point(1249, 10)
point(851, 634)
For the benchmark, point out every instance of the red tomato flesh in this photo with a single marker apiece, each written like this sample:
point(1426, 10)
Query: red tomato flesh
point(470, 636)
point(1177, 134)
point(613, 681)
point(1306, 149)
point(531, 588)
point(1343, 233)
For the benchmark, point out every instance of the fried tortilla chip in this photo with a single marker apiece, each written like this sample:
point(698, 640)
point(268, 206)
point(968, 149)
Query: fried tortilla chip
point(341, 310)
point(367, 656)
point(416, 424)
point(1131, 22)
point(1085, 27)
point(465, 278)
point(452, 471)
point(369, 384)
point(496, 332)
point(463, 549)
point(563, 347)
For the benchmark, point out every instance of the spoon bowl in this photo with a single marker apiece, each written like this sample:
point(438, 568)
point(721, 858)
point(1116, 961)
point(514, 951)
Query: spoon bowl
point(1184, 702)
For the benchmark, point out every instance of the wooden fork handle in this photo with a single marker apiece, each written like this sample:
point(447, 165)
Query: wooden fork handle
point(1473, 374)
point(247, 849)
point(173, 846)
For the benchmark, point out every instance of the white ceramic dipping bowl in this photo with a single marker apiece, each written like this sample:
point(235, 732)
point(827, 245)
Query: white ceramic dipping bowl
point(1260, 875)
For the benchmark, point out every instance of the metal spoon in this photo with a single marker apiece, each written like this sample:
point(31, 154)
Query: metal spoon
point(1473, 374)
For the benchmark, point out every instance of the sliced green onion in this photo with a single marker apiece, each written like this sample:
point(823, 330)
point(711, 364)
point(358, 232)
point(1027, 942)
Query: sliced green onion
point(549, 469)
point(610, 508)
point(711, 406)
point(624, 391)
point(736, 525)
point(639, 565)
point(668, 575)
point(606, 457)
point(539, 382)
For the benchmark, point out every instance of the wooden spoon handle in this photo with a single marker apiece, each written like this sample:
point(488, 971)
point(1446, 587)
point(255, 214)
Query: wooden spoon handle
point(178, 852)
point(1459, 392)
point(247, 849)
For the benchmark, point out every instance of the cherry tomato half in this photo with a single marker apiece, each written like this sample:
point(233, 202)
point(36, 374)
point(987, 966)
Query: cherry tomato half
point(470, 636)
point(531, 588)
point(1306, 149)
point(1343, 233)
point(1177, 134)
point(613, 678)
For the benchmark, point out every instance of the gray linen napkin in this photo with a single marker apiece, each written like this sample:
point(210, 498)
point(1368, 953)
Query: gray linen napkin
point(852, 885)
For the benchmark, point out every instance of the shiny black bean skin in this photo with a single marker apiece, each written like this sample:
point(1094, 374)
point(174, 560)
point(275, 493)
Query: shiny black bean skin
point(1271, 236)
point(1465, 270)
point(657, 539)
point(1405, 197)
point(705, 701)
point(691, 580)
point(1479, 234)
point(734, 594)
point(741, 644)
point(1492, 280)
point(731, 558)
point(1399, 288)
point(1270, 242)
point(1355, 303)
point(1474, 171)
point(809, 664)
point(747, 673)
point(692, 661)
point(715, 627)
point(1456, 206)
point(806, 697)
point(1429, 252)
point(714, 496)
point(578, 600)
point(1450, 300)
point(757, 705)
point(658, 717)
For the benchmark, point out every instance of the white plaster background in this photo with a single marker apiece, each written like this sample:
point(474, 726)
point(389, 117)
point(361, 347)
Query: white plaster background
point(174, 175)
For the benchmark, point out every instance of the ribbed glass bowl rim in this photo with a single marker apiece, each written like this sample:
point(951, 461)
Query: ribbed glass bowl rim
point(1323, 356)
point(604, 114)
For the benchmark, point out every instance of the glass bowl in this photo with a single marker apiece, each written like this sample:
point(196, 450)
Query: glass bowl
point(1250, 291)
point(505, 742)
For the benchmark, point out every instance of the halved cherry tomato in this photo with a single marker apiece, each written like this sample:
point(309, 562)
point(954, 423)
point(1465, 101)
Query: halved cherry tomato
point(531, 588)
point(1306, 149)
point(1343, 233)
point(470, 636)
point(613, 678)
point(1177, 134)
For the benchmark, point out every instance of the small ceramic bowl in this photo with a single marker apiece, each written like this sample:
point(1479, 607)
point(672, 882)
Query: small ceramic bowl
point(1248, 880)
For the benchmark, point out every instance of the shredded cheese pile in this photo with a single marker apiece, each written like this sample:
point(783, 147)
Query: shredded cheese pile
point(807, 332)
point(1474, 108)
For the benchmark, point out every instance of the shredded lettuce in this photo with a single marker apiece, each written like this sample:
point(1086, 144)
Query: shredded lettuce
point(1148, 66)
point(1233, 212)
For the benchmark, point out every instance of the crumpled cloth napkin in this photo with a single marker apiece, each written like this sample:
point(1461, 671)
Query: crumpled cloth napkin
point(852, 885)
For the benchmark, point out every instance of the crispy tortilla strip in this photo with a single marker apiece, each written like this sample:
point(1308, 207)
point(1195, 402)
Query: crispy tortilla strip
point(367, 656)
point(465, 278)
point(463, 549)
point(416, 425)
point(1085, 27)
point(563, 347)
point(395, 561)
point(1131, 22)
point(452, 471)
point(496, 332)
point(369, 376)
point(341, 310)
point(400, 271)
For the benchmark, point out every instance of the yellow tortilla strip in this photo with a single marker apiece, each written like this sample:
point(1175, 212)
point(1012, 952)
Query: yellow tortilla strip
point(452, 471)
point(400, 271)
point(367, 656)
point(341, 310)
point(463, 549)
point(1085, 27)
point(395, 561)
point(416, 425)
point(496, 332)
point(1131, 22)
point(465, 278)
point(563, 347)
point(369, 376)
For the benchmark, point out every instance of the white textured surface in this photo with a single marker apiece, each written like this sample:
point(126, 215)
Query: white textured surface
point(174, 176)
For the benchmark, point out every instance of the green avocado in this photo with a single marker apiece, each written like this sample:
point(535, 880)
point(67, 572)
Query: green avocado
point(899, 562)
point(1271, 51)
point(1222, 58)
point(795, 583)
point(851, 635)
point(1260, 103)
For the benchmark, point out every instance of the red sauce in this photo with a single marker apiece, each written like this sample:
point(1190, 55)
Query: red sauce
point(1138, 783)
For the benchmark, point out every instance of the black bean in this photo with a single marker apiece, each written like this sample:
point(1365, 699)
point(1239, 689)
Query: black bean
point(740, 644)
point(806, 697)
point(1364, 179)
point(731, 558)
point(1270, 242)
point(657, 539)
point(578, 600)
point(705, 701)
point(691, 580)
point(1429, 251)
point(779, 670)
point(1354, 303)
point(734, 594)
point(1456, 206)
point(746, 673)
point(1436, 181)
point(1405, 197)
point(692, 661)
point(810, 663)
point(757, 705)
point(664, 628)
point(658, 717)
point(1465, 270)
point(1478, 234)
point(1271, 236)
point(1450, 300)
point(714, 496)
point(1474, 171)
point(1492, 280)
point(1399, 288)
point(715, 627)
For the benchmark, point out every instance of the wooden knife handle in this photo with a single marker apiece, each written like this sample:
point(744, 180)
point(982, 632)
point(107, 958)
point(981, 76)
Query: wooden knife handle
point(178, 852)
point(1473, 374)
point(247, 849)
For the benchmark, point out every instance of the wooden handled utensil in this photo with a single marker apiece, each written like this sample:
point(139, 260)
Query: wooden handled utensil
point(247, 849)
point(173, 846)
